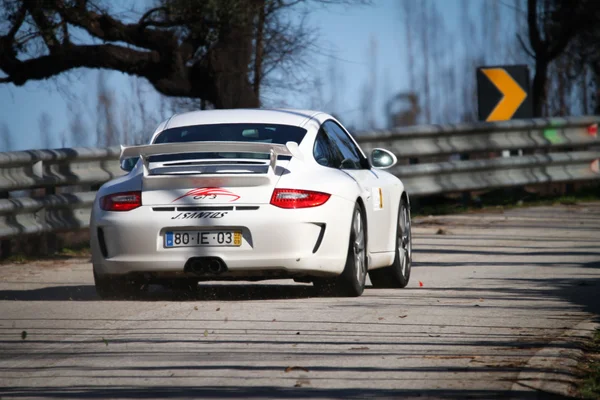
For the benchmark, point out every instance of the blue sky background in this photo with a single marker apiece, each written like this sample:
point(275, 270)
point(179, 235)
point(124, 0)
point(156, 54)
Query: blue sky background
point(345, 32)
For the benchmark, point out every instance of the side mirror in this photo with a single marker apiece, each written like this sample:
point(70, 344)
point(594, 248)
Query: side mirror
point(383, 159)
point(129, 163)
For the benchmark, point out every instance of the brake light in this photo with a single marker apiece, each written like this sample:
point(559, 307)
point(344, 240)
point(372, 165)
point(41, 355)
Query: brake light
point(125, 201)
point(294, 198)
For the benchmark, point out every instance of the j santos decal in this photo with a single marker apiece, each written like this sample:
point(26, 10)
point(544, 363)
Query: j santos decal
point(208, 194)
point(200, 215)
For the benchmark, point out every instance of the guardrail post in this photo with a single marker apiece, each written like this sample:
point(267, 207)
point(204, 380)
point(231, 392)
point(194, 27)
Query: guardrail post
point(49, 240)
point(5, 250)
point(415, 203)
point(465, 196)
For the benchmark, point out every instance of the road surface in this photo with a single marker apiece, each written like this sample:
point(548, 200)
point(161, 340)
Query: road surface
point(504, 296)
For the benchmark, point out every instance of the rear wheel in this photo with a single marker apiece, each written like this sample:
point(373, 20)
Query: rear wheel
point(117, 287)
point(397, 275)
point(351, 282)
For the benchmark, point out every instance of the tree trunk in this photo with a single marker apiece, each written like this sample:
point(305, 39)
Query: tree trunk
point(258, 51)
point(229, 64)
point(539, 86)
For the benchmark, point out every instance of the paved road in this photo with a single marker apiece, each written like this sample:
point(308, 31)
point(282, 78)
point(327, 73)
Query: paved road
point(498, 290)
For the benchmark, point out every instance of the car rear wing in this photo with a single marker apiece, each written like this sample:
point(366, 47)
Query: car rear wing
point(274, 150)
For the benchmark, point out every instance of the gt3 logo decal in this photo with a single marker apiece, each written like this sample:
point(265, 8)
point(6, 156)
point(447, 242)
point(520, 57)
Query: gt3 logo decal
point(200, 215)
point(208, 194)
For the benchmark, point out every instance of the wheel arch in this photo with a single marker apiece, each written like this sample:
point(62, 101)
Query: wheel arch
point(404, 196)
point(363, 208)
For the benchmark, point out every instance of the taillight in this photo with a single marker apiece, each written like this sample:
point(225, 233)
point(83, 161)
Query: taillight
point(125, 201)
point(294, 198)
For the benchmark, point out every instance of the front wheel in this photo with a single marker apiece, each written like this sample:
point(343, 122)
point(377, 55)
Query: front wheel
point(397, 275)
point(351, 283)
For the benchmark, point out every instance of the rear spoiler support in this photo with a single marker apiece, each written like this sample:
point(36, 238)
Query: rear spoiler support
point(274, 150)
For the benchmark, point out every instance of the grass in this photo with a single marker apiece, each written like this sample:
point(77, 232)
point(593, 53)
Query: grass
point(590, 384)
point(500, 199)
point(78, 251)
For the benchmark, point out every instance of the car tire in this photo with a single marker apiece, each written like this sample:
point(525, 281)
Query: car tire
point(351, 283)
point(397, 275)
point(117, 287)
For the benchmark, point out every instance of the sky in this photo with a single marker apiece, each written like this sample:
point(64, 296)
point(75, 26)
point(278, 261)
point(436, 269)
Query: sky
point(345, 34)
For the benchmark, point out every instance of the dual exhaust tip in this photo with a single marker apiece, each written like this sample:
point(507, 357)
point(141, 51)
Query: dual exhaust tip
point(205, 266)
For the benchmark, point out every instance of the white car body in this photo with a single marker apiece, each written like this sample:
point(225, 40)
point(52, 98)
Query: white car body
point(224, 195)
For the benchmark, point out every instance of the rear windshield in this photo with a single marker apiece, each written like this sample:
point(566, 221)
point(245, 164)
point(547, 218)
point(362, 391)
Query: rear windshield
point(262, 133)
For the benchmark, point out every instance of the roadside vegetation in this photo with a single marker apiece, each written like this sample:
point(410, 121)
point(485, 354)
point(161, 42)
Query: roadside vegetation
point(590, 384)
point(502, 199)
point(35, 248)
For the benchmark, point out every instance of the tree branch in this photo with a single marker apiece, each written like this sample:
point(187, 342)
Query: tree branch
point(524, 46)
point(105, 27)
point(66, 36)
point(143, 23)
point(109, 56)
point(91, 56)
point(46, 28)
point(19, 18)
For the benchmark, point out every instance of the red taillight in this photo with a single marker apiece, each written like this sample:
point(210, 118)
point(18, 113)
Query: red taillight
point(125, 201)
point(293, 198)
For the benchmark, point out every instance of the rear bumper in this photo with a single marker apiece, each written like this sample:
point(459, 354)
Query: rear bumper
point(304, 242)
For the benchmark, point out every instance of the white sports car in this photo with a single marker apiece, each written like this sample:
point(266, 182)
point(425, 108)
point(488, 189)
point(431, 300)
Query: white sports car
point(250, 195)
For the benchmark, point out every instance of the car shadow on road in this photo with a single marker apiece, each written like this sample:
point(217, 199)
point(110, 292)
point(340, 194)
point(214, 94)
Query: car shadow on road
point(233, 292)
point(263, 392)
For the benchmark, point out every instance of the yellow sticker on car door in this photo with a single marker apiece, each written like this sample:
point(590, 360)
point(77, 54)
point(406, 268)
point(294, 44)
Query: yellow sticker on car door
point(377, 199)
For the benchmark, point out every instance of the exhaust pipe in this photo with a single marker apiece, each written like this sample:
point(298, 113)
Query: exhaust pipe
point(215, 267)
point(205, 266)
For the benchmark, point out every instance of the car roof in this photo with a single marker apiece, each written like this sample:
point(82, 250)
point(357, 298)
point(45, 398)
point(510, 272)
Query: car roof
point(293, 117)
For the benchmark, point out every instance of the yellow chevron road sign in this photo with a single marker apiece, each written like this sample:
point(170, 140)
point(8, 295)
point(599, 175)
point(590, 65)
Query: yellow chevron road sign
point(503, 93)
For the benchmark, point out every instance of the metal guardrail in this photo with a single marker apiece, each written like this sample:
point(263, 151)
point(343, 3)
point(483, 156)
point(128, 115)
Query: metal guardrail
point(60, 174)
point(21, 170)
point(438, 140)
point(461, 176)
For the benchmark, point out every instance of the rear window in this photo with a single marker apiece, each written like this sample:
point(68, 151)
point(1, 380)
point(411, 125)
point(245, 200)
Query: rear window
point(255, 133)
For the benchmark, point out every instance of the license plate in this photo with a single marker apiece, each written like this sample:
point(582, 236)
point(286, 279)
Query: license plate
point(203, 238)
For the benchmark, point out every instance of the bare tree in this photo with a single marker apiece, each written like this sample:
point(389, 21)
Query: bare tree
point(468, 83)
point(373, 80)
point(551, 28)
point(368, 91)
point(45, 126)
point(219, 51)
point(409, 17)
point(334, 86)
point(424, 36)
point(107, 129)
point(317, 99)
point(77, 129)
point(6, 136)
point(582, 51)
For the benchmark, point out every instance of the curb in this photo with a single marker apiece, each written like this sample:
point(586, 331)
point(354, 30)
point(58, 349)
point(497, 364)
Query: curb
point(552, 369)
